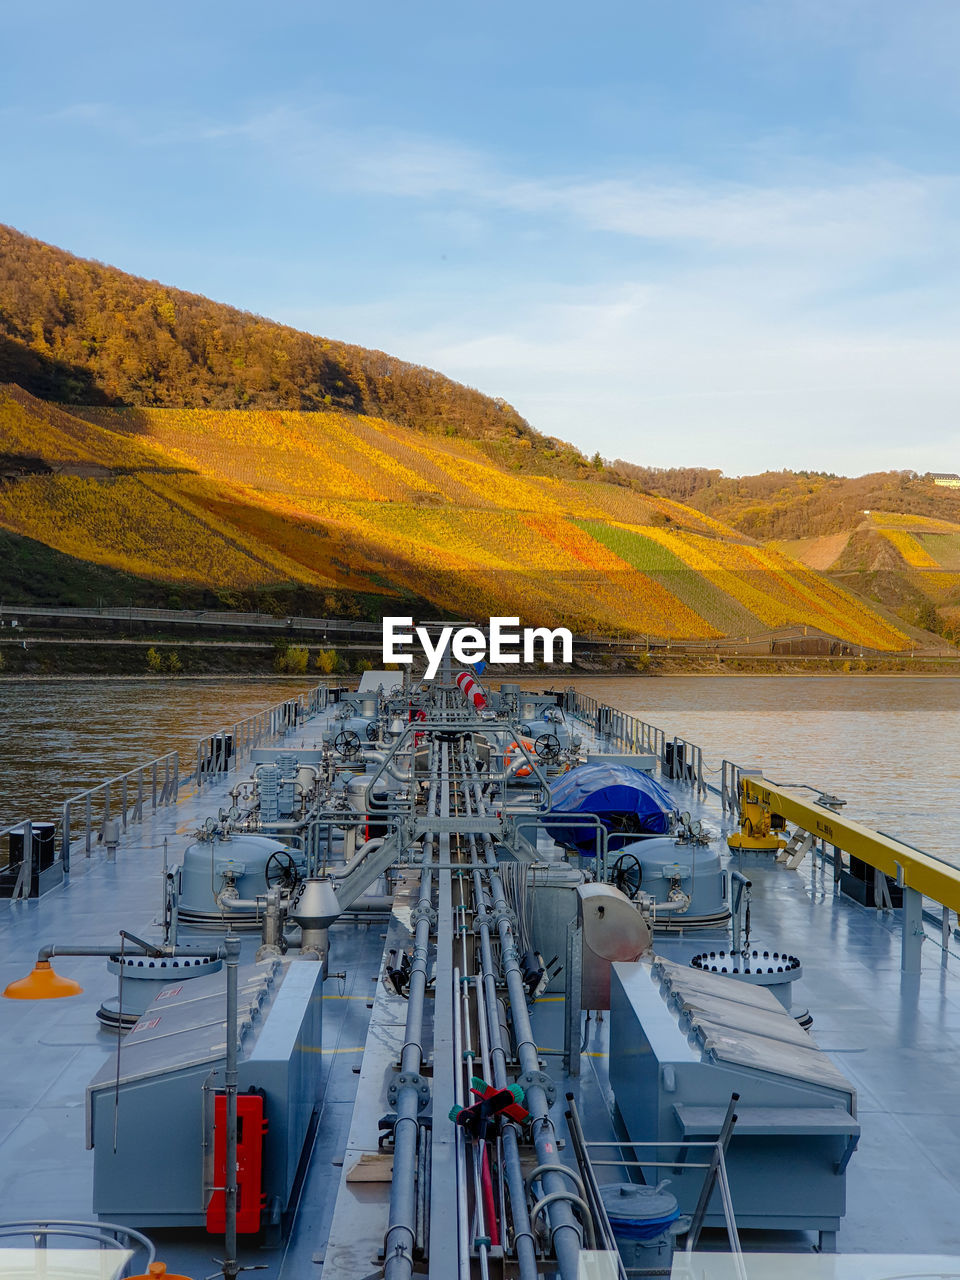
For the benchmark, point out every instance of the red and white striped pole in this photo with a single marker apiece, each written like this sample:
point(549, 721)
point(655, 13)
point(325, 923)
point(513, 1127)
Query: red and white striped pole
point(471, 690)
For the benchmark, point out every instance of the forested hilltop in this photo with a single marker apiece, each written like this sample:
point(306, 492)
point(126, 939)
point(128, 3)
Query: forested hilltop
point(795, 504)
point(78, 332)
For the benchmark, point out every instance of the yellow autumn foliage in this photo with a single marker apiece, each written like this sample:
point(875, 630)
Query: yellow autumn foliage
point(910, 549)
point(248, 498)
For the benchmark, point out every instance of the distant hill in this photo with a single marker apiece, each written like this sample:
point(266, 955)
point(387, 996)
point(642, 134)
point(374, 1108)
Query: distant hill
point(888, 535)
point(796, 504)
point(907, 562)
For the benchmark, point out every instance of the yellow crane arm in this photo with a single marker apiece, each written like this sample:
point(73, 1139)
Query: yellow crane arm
point(920, 871)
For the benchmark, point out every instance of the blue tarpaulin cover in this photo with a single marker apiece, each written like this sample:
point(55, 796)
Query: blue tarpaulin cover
point(627, 802)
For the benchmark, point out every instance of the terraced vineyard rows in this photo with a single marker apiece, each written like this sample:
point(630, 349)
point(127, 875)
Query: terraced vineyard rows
point(262, 496)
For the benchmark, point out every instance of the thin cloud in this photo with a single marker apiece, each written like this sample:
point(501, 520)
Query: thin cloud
point(878, 210)
point(810, 321)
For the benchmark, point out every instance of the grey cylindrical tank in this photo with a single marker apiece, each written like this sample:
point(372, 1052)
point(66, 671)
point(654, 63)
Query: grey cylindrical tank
point(665, 862)
point(240, 861)
point(360, 795)
point(357, 792)
point(142, 977)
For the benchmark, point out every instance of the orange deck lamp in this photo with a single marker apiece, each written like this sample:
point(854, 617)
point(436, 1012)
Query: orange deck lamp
point(42, 983)
point(159, 1269)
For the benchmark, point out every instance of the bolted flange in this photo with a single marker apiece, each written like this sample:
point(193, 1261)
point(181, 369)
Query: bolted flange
point(405, 1080)
point(540, 1078)
point(423, 911)
point(505, 914)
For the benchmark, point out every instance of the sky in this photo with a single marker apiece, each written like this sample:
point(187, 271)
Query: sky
point(716, 233)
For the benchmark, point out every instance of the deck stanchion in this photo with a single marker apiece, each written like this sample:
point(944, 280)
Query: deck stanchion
point(911, 942)
point(231, 1267)
point(65, 839)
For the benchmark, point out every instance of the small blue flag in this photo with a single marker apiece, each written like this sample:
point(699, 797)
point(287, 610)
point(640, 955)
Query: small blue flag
point(479, 668)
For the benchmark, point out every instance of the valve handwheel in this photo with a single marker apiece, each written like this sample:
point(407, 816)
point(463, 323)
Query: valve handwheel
point(347, 743)
point(547, 747)
point(622, 875)
point(281, 871)
point(372, 731)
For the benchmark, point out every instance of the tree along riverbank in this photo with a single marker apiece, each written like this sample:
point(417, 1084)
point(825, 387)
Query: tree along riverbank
point(29, 656)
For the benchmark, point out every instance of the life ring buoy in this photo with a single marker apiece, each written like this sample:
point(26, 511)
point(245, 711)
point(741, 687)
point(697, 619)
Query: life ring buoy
point(525, 770)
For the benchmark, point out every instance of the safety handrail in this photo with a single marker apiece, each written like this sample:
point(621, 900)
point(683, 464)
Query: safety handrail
point(104, 1234)
point(910, 867)
point(161, 792)
point(156, 783)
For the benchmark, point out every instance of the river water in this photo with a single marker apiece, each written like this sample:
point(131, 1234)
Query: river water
point(59, 737)
point(890, 746)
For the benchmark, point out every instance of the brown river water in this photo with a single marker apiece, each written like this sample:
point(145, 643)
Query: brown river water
point(58, 737)
point(890, 746)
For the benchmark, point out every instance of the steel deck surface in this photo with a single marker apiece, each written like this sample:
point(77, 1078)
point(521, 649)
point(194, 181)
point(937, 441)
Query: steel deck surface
point(897, 1037)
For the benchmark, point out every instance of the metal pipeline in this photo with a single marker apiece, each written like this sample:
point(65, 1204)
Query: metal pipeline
point(368, 847)
point(484, 1231)
point(51, 949)
point(227, 903)
point(401, 1232)
point(284, 824)
point(375, 904)
point(488, 1013)
point(459, 1134)
point(565, 1233)
point(388, 765)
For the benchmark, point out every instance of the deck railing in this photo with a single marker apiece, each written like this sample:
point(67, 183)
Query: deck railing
point(86, 817)
point(154, 784)
point(677, 759)
point(220, 752)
